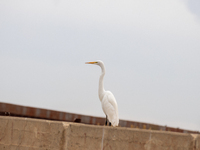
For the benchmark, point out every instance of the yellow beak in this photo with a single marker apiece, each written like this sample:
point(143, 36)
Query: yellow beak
point(90, 62)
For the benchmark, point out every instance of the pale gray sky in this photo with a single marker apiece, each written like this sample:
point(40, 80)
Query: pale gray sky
point(151, 50)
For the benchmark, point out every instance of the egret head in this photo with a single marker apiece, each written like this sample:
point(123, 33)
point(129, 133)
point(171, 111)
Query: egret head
point(97, 62)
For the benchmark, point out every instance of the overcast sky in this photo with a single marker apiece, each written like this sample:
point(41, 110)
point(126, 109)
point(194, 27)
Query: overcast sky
point(151, 50)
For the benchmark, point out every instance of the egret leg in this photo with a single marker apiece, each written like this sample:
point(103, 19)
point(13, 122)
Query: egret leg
point(106, 121)
point(109, 123)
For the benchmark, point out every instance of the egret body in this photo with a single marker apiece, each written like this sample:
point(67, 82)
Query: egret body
point(108, 102)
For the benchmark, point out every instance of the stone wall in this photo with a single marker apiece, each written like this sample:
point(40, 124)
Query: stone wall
point(35, 134)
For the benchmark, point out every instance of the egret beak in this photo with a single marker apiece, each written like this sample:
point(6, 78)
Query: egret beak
point(90, 62)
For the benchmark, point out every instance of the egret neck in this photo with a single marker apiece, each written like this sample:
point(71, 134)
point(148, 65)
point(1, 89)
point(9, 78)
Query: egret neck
point(101, 87)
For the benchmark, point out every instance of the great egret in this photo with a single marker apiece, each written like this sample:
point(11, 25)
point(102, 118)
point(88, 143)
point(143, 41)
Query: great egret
point(108, 102)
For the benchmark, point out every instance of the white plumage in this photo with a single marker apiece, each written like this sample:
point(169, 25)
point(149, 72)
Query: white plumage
point(108, 102)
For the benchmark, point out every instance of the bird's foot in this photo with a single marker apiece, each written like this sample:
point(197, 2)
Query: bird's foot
point(106, 123)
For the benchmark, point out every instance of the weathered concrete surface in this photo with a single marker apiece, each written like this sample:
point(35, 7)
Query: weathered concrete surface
point(196, 141)
point(34, 134)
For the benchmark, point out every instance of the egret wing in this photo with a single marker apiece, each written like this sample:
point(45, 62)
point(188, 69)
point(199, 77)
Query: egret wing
point(110, 108)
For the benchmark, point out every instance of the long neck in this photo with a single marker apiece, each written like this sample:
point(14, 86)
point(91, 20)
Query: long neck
point(101, 87)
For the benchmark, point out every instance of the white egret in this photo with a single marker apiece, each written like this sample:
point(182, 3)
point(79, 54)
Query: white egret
point(108, 102)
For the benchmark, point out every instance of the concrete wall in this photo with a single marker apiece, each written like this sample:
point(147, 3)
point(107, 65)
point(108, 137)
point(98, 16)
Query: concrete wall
point(34, 134)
